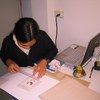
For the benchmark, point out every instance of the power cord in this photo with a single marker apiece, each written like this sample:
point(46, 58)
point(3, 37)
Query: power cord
point(56, 28)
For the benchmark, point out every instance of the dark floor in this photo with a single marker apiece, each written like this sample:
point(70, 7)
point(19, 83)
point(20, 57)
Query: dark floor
point(5, 96)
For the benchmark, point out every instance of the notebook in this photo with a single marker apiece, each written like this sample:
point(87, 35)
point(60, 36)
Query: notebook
point(76, 55)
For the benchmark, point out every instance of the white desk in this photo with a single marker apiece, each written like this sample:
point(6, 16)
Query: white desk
point(8, 82)
point(94, 80)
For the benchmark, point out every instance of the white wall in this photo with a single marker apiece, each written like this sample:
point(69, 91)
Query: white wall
point(36, 9)
point(39, 13)
point(26, 8)
point(51, 19)
point(81, 20)
point(10, 12)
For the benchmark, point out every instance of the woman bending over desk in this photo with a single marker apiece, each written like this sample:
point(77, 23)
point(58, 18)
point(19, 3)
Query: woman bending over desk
point(26, 45)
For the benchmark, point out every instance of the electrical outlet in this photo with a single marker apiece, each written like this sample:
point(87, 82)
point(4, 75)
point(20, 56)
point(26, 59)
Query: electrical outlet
point(59, 12)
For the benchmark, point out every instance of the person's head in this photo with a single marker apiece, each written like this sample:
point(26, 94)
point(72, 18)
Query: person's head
point(26, 31)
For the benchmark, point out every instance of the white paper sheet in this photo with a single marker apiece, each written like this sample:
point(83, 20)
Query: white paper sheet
point(29, 83)
point(11, 86)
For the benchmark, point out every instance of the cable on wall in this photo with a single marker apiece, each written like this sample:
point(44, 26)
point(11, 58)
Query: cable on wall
point(56, 28)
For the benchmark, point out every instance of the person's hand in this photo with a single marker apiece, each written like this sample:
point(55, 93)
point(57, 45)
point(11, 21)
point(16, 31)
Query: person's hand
point(12, 66)
point(40, 68)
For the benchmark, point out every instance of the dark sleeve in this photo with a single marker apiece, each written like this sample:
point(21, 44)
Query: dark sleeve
point(50, 46)
point(4, 52)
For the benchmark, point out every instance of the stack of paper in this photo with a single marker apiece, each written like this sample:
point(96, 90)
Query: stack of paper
point(70, 89)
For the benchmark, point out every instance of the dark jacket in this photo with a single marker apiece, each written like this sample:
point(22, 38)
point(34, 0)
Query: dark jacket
point(44, 48)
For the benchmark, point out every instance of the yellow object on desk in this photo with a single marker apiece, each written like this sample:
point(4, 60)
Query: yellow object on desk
point(79, 72)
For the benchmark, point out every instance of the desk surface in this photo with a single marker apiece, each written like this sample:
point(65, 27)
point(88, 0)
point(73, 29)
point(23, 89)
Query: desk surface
point(11, 84)
point(93, 82)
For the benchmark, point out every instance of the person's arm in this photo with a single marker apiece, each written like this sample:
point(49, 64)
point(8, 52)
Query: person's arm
point(12, 66)
point(4, 52)
point(50, 46)
point(40, 68)
point(5, 56)
point(51, 53)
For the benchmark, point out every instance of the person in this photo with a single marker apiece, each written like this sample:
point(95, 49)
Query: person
point(25, 45)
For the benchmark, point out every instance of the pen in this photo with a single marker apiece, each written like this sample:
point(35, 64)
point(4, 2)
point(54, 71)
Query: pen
point(91, 72)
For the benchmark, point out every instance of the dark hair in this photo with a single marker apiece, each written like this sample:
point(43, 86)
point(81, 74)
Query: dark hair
point(26, 29)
